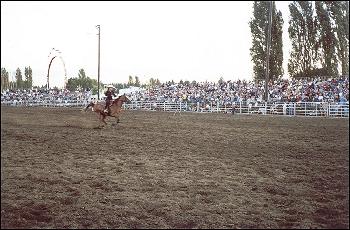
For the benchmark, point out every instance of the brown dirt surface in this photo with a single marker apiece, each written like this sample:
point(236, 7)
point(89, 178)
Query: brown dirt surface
point(160, 170)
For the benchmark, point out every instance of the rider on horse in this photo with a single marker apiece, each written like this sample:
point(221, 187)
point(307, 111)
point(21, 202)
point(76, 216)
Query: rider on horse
point(109, 93)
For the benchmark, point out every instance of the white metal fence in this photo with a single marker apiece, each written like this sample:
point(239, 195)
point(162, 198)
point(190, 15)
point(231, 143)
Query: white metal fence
point(47, 103)
point(315, 109)
point(291, 109)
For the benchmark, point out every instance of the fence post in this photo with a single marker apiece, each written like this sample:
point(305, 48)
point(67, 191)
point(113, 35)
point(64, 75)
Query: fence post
point(316, 109)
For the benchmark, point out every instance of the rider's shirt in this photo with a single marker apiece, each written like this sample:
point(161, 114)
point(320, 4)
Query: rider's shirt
point(109, 95)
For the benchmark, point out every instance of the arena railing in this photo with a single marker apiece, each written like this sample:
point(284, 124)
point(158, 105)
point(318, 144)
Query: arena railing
point(312, 109)
point(46, 103)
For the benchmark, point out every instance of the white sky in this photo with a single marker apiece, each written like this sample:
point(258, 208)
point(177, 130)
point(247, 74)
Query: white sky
point(166, 40)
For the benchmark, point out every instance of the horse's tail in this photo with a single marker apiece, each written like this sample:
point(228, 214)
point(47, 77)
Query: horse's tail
point(86, 108)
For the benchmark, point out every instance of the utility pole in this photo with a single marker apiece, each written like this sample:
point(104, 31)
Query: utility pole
point(268, 52)
point(98, 74)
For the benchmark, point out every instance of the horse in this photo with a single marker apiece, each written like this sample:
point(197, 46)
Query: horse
point(114, 109)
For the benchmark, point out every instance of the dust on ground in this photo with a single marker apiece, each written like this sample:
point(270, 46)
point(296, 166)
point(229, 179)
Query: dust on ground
point(160, 170)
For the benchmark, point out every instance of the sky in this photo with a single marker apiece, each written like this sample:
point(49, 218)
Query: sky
point(184, 40)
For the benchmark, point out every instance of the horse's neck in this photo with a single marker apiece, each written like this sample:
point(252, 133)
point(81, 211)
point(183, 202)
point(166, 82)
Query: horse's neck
point(119, 103)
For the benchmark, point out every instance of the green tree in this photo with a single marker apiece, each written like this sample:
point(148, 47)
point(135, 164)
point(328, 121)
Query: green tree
point(83, 82)
point(302, 32)
point(276, 51)
point(326, 39)
point(28, 83)
point(258, 51)
point(339, 13)
point(95, 86)
point(151, 82)
point(5, 84)
point(19, 80)
point(26, 77)
point(137, 81)
point(131, 81)
point(72, 84)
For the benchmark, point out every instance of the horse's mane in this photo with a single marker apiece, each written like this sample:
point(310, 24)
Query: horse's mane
point(117, 99)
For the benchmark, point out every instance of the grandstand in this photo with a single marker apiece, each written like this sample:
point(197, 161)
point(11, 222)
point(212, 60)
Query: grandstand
point(313, 97)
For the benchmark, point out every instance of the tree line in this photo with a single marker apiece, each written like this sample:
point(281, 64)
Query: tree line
point(82, 82)
point(319, 34)
point(19, 82)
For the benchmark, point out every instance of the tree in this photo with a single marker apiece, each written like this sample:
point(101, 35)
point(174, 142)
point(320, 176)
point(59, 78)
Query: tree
point(276, 51)
point(152, 82)
point(302, 32)
point(19, 80)
point(258, 51)
point(5, 84)
point(95, 86)
point(339, 13)
point(131, 81)
point(72, 84)
point(28, 83)
point(81, 74)
point(137, 81)
point(326, 39)
point(83, 82)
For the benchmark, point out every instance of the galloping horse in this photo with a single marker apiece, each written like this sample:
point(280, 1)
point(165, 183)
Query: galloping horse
point(114, 109)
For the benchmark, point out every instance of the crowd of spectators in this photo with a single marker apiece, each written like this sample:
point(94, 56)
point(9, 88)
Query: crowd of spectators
point(227, 92)
point(33, 96)
point(223, 92)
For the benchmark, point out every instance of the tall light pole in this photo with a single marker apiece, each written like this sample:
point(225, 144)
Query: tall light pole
point(268, 43)
point(98, 73)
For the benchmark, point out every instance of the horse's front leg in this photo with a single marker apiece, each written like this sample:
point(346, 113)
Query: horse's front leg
point(116, 120)
point(102, 120)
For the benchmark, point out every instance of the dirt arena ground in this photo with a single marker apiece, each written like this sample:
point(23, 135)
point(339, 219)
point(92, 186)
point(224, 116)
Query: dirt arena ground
point(157, 170)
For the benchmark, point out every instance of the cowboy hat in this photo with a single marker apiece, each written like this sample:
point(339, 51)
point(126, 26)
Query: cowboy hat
point(110, 86)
